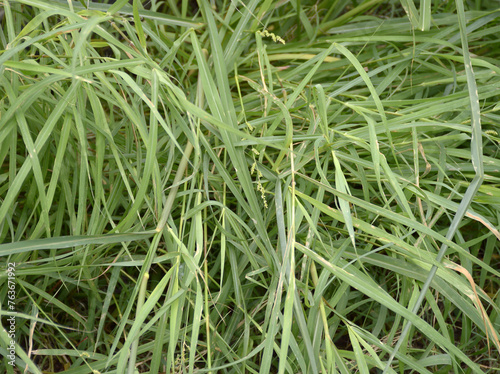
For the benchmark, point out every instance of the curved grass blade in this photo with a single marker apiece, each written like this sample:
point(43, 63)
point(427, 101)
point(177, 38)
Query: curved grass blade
point(71, 241)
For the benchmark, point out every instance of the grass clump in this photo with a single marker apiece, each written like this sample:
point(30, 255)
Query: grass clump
point(250, 187)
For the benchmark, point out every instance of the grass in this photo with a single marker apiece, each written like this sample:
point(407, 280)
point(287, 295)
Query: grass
point(250, 187)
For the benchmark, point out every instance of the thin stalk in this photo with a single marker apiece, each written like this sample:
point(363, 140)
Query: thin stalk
point(140, 303)
point(206, 291)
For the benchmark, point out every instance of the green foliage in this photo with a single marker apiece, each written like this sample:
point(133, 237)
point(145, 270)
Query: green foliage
point(250, 186)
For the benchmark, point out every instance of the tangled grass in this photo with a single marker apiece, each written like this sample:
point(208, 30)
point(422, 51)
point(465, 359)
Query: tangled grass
point(250, 187)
